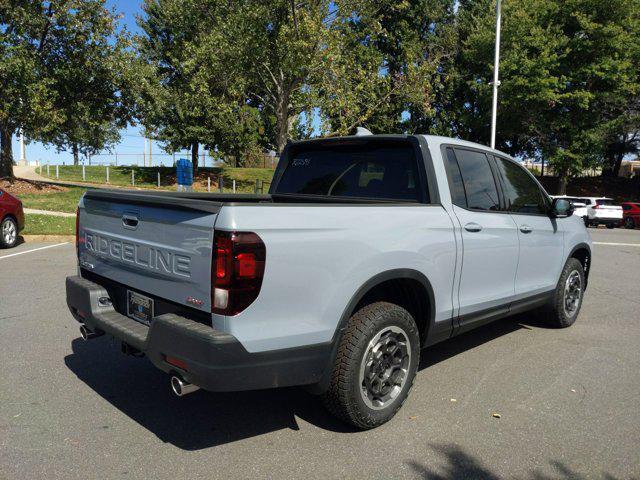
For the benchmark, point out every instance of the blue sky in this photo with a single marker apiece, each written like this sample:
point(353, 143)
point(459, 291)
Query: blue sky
point(132, 144)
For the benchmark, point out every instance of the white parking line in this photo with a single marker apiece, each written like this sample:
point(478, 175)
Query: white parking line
point(33, 250)
point(618, 244)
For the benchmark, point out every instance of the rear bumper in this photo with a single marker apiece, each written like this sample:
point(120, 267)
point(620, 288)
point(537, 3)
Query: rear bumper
point(215, 360)
point(605, 221)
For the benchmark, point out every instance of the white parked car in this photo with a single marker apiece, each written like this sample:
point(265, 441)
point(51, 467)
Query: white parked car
point(603, 211)
point(595, 210)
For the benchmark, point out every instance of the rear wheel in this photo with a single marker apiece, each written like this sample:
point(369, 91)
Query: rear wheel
point(629, 223)
point(375, 366)
point(8, 233)
point(567, 298)
point(611, 225)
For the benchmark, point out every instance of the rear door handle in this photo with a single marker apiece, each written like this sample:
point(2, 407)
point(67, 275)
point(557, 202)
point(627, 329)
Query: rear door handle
point(526, 229)
point(472, 227)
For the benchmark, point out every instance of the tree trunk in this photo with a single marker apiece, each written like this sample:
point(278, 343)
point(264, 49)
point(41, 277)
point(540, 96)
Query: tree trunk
point(542, 168)
point(562, 184)
point(6, 152)
point(194, 156)
point(76, 160)
point(282, 121)
point(617, 164)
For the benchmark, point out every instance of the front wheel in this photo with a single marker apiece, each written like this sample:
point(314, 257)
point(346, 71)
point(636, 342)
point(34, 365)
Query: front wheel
point(629, 223)
point(375, 365)
point(567, 298)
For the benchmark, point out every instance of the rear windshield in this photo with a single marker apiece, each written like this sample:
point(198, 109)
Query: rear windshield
point(387, 171)
point(604, 202)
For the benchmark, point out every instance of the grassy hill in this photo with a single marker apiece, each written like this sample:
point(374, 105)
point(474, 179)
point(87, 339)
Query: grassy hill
point(148, 176)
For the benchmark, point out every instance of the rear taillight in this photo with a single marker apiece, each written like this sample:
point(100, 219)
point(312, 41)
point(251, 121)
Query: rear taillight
point(78, 232)
point(596, 206)
point(237, 269)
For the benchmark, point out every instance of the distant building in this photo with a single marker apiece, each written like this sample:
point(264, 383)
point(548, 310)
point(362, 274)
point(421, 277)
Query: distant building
point(630, 168)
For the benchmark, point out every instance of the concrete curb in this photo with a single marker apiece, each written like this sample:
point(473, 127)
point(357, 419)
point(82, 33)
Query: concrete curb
point(35, 211)
point(47, 238)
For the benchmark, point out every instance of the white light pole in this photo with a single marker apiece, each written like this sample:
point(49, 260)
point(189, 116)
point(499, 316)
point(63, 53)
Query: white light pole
point(23, 150)
point(496, 82)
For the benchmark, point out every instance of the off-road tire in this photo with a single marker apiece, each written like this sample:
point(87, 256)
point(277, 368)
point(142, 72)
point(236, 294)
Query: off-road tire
point(343, 397)
point(555, 314)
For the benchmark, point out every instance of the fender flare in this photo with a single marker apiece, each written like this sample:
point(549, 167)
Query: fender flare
point(395, 274)
point(581, 246)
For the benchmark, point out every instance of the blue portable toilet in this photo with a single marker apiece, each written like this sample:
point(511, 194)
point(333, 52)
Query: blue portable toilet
point(184, 174)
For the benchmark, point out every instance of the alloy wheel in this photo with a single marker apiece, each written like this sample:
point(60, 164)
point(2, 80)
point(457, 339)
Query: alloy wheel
point(9, 232)
point(572, 293)
point(384, 367)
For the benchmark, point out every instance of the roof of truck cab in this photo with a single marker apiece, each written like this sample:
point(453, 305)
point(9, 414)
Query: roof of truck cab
point(431, 139)
point(439, 140)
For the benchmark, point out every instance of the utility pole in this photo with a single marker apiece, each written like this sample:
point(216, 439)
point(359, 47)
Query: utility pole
point(144, 153)
point(150, 152)
point(496, 81)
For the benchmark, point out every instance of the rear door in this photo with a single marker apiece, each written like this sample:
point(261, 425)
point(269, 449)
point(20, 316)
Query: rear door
point(540, 238)
point(151, 244)
point(489, 237)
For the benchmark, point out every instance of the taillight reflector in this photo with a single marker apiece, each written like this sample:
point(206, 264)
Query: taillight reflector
point(176, 362)
point(237, 271)
point(246, 265)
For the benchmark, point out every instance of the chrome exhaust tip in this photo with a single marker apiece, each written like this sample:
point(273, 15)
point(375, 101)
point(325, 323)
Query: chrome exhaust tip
point(87, 334)
point(182, 388)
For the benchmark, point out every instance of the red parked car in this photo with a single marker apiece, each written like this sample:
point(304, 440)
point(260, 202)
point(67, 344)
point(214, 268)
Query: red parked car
point(11, 219)
point(630, 214)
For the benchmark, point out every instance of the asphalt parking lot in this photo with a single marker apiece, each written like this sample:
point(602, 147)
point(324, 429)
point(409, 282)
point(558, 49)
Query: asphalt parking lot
point(568, 400)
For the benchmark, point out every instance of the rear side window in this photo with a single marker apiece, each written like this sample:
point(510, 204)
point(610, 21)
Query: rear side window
point(387, 171)
point(603, 201)
point(521, 192)
point(477, 178)
point(626, 207)
point(458, 197)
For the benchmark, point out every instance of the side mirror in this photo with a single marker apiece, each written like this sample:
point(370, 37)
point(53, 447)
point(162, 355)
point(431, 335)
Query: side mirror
point(561, 208)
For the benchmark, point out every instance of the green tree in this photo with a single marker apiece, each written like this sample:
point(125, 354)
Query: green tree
point(563, 66)
point(281, 46)
point(381, 70)
point(88, 62)
point(63, 73)
point(26, 100)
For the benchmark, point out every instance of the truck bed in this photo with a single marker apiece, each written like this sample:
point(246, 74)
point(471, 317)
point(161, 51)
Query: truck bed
point(211, 202)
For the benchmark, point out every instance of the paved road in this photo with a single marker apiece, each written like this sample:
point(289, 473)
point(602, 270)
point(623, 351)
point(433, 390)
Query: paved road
point(569, 399)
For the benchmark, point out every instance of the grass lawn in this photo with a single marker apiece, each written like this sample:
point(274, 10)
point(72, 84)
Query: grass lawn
point(49, 225)
point(65, 201)
point(148, 176)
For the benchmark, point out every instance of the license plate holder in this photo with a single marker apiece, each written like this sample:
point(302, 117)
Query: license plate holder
point(139, 307)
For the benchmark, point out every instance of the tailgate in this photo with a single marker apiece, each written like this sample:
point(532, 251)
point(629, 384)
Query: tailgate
point(608, 211)
point(155, 243)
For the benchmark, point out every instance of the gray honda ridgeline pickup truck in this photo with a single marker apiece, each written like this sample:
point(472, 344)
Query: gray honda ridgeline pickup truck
point(366, 250)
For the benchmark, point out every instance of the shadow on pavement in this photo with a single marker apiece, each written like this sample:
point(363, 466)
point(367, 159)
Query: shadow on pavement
point(461, 465)
point(204, 419)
